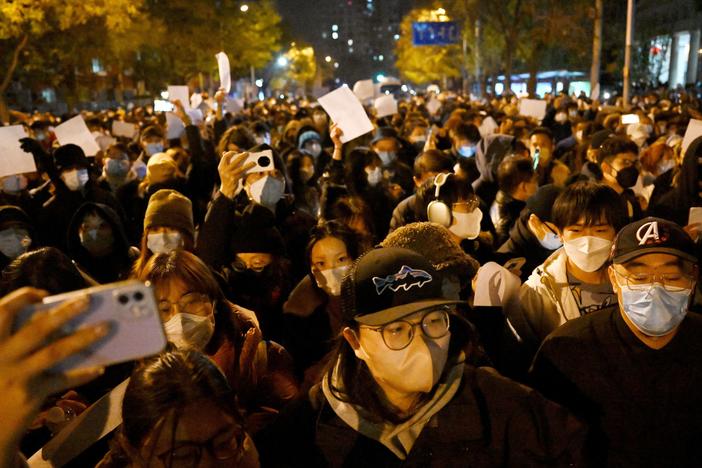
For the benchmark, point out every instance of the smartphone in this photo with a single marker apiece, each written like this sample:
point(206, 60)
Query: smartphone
point(163, 106)
point(263, 160)
point(630, 119)
point(129, 306)
point(695, 216)
point(515, 263)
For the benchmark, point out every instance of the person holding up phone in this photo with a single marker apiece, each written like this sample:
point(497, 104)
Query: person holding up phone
point(27, 357)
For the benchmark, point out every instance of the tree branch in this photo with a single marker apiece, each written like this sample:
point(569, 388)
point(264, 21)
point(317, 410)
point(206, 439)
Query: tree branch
point(13, 63)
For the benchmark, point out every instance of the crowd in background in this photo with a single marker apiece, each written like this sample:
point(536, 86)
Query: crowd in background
point(525, 226)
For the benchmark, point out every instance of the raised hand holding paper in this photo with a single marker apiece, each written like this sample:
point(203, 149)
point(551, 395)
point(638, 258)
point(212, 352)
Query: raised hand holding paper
point(535, 108)
point(386, 105)
point(14, 160)
point(346, 111)
point(225, 78)
point(75, 131)
point(179, 92)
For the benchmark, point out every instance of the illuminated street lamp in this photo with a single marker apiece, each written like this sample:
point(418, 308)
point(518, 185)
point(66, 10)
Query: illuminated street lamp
point(327, 59)
point(282, 61)
point(244, 8)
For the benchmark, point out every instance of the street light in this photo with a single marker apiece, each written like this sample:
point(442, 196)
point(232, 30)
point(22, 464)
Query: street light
point(282, 61)
point(244, 8)
point(327, 59)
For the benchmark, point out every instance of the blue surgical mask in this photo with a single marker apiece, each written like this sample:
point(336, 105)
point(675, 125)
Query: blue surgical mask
point(551, 241)
point(467, 151)
point(153, 148)
point(655, 311)
point(116, 168)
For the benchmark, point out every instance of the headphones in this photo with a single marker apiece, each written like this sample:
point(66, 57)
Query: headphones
point(438, 211)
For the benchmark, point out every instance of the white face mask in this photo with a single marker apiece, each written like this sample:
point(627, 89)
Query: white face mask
point(588, 253)
point(189, 331)
point(14, 183)
point(466, 225)
point(417, 368)
point(561, 117)
point(75, 179)
point(375, 176)
point(14, 242)
point(164, 242)
point(551, 241)
point(330, 280)
point(387, 157)
point(267, 191)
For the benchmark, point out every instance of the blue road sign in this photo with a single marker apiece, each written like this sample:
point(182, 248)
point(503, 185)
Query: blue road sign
point(435, 33)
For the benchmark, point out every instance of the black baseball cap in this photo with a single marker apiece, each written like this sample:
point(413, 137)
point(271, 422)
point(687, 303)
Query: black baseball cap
point(389, 283)
point(652, 235)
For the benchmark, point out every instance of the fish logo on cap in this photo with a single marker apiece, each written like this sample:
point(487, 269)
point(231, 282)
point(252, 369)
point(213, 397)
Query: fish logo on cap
point(406, 279)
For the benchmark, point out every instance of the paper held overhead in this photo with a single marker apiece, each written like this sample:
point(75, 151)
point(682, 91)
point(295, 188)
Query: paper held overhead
point(346, 111)
point(364, 89)
point(180, 93)
point(225, 78)
point(433, 105)
point(694, 130)
point(385, 105)
point(123, 129)
point(195, 100)
point(174, 126)
point(535, 108)
point(75, 131)
point(14, 160)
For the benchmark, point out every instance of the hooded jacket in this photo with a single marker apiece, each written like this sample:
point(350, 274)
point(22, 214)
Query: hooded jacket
point(116, 265)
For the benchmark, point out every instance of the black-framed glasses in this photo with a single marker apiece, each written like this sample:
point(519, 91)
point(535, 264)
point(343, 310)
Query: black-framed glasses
point(227, 446)
point(398, 335)
point(191, 303)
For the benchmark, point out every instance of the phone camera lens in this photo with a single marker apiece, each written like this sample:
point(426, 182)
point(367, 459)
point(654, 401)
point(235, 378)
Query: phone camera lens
point(138, 296)
point(123, 299)
point(264, 161)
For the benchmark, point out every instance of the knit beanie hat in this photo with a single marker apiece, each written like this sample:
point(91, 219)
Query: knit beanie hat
point(161, 168)
point(435, 243)
point(70, 155)
point(257, 232)
point(171, 209)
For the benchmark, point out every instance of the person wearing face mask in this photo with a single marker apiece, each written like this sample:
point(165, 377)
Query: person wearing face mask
point(395, 157)
point(400, 384)
point(73, 187)
point(301, 169)
point(151, 141)
point(197, 315)
point(16, 234)
point(168, 225)
point(627, 370)
point(534, 237)
point(116, 169)
point(98, 243)
point(313, 309)
point(619, 161)
point(573, 281)
point(309, 141)
point(517, 181)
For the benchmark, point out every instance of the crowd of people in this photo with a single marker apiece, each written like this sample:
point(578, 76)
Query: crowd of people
point(465, 286)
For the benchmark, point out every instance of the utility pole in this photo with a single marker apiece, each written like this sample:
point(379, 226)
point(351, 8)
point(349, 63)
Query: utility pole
point(596, 50)
point(627, 51)
point(478, 58)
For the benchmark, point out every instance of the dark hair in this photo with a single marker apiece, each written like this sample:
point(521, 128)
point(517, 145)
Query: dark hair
point(151, 131)
point(238, 135)
point(346, 208)
point(468, 131)
point(432, 161)
point(454, 189)
point(337, 230)
point(170, 382)
point(541, 131)
point(590, 201)
point(614, 146)
point(512, 171)
point(47, 268)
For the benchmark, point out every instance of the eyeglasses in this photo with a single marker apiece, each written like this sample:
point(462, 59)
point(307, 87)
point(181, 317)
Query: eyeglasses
point(466, 206)
point(192, 303)
point(669, 281)
point(256, 265)
point(399, 334)
point(221, 447)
